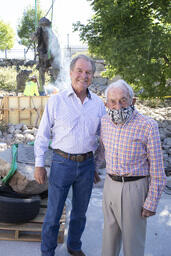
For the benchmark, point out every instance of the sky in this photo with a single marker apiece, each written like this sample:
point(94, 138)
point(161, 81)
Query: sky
point(65, 12)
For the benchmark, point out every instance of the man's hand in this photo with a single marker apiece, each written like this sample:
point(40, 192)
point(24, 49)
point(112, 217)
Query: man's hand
point(40, 175)
point(146, 213)
point(96, 177)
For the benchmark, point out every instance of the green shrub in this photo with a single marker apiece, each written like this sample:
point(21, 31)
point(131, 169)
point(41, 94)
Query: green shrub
point(153, 102)
point(8, 78)
point(3, 126)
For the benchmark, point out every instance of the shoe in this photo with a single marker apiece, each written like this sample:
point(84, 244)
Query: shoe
point(76, 253)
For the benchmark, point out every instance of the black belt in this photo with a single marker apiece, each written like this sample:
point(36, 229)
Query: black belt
point(124, 178)
point(74, 157)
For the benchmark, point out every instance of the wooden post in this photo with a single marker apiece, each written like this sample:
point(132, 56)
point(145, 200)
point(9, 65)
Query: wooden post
point(6, 109)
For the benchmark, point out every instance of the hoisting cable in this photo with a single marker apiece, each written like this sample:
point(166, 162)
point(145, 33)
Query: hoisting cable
point(52, 13)
point(50, 7)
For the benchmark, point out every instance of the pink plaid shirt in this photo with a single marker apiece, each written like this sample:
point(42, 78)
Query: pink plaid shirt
point(134, 149)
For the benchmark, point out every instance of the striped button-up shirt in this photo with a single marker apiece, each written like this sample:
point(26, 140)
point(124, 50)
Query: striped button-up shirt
point(71, 125)
point(134, 149)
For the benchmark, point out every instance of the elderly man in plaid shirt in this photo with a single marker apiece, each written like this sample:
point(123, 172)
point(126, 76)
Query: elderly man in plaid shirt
point(135, 174)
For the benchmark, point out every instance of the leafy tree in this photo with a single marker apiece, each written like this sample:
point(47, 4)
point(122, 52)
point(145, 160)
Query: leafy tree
point(27, 26)
point(6, 36)
point(134, 39)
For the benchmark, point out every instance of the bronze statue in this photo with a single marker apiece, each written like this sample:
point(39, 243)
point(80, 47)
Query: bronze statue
point(47, 42)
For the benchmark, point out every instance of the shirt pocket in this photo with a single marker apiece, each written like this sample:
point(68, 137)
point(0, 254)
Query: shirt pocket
point(64, 124)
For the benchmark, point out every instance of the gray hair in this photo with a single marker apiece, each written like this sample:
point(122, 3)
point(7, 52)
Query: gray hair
point(120, 83)
point(82, 56)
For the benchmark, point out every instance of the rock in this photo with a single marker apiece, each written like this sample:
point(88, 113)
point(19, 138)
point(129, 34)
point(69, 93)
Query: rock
point(169, 128)
point(4, 134)
point(98, 81)
point(23, 180)
point(34, 130)
point(9, 138)
point(11, 129)
point(167, 141)
point(24, 127)
point(28, 131)
point(18, 126)
point(29, 137)
point(165, 158)
point(3, 146)
point(166, 147)
point(17, 131)
point(162, 135)
point(4, 167)
point(30, 63)
point(19, 137)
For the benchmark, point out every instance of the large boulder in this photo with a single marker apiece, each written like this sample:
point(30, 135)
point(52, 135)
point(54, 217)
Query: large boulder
point(23, 180)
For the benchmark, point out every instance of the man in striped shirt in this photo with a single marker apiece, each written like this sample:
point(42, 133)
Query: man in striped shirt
point(72, 120)
point(135, 174)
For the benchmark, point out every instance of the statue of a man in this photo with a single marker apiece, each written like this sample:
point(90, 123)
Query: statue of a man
point(44, 37)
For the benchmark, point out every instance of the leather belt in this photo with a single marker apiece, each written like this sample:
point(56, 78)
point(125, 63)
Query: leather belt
point(74, 157)
point(124, 178)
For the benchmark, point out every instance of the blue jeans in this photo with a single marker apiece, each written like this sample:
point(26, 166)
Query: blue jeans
point(63, 174)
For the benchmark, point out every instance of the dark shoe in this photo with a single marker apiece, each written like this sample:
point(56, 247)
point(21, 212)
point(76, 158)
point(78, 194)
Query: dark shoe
point(76, 253)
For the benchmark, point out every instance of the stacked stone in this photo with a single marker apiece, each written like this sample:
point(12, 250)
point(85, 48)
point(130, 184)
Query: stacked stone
point(16, 62)
point(163, 118)
point(18, 133)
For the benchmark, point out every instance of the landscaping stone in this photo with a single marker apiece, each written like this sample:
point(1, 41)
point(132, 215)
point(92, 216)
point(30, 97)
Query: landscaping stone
point(23, 179)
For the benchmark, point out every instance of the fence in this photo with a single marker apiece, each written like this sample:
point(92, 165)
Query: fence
point(17, 54)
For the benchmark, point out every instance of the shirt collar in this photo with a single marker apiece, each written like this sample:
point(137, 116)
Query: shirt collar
point(88, 94)
point(71, 92)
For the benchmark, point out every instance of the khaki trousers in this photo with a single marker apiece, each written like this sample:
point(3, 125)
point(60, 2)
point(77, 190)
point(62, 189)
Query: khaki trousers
point(122, 206)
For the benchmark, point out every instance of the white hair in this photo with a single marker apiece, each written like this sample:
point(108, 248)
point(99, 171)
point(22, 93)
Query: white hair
point(120, 83)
